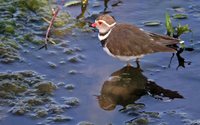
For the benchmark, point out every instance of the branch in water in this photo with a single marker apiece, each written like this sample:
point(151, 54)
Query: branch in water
point(55, 13)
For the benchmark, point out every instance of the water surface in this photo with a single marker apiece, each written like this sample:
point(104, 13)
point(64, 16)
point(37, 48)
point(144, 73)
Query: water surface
point(95, 68)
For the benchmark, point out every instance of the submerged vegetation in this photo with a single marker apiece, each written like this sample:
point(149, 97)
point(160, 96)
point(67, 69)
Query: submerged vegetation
point(24, 23)
point(28, 93)
point(24, 29)
point(24, 90)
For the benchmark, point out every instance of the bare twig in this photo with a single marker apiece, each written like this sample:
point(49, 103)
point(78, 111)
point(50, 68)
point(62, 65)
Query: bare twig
point(55, 13)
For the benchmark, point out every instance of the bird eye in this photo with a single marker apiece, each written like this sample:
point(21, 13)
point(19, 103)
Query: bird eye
point(100, 23)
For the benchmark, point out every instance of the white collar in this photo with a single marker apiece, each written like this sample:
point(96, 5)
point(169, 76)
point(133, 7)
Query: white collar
point(103, 37)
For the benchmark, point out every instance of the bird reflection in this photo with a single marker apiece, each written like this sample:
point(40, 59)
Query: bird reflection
point(114, 3)
point(106, 5)
point(127, 85)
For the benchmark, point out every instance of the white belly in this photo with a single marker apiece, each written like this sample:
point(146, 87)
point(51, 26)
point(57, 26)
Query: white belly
point(122, 58)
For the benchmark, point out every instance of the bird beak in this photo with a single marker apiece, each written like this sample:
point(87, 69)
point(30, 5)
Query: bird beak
point(94, 25)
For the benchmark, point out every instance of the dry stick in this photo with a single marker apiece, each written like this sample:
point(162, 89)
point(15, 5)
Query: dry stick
point(55, 13)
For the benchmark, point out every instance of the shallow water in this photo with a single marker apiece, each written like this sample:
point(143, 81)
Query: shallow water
point(95, 67)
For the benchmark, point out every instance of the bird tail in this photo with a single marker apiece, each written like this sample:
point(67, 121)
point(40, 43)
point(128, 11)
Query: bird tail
point(164, 40)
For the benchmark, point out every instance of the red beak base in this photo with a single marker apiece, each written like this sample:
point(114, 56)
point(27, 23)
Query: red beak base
point(94, 25)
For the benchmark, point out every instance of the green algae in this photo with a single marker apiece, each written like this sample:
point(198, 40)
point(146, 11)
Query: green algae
point(8, 54)
point(60, 84)
point(59, 118)
point(20, 83)
point(28, 93)
point(152, 23)
point(69, 86)
point(12, 26)
point(60, 23)
point(72, 3)
point(9, 29)
point(139, 121)
point(52, 65)
point(73, 59)
point(22, 23)
point(45, 87)
point(12, 87)
point(180, 16)
point(73, 72)
point(72, 101)
point(134, 107)
point(69, 51)
point(62, 62)
point(153, 114)
point(18, 110)
point(34, 101)
point(85, 123)
point(40, 113)
point(34, 5)
point(13, 44)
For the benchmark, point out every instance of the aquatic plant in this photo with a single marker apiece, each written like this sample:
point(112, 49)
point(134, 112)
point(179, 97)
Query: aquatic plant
point(175, 31)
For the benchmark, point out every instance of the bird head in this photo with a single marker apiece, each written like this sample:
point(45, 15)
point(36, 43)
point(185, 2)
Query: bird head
point(104, 23)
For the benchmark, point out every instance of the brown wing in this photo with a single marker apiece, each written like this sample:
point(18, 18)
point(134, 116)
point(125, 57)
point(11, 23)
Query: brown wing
point(162, 39)
point(128, 40)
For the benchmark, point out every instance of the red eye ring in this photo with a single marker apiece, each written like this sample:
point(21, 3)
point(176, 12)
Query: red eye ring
point(99, 23)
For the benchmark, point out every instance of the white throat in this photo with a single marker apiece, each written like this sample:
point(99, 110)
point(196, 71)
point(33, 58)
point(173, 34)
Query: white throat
point(103, 37)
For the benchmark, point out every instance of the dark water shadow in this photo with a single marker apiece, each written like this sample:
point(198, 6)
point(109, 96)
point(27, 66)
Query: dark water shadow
point(105, 10)
point(181, 60)
point(127, 85)
point(83, 9)
point(113, 4)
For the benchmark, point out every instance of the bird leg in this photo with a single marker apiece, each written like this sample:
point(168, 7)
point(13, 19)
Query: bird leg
point(138, 63)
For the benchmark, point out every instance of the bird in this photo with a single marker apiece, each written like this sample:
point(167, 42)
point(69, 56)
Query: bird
point(128, 42)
